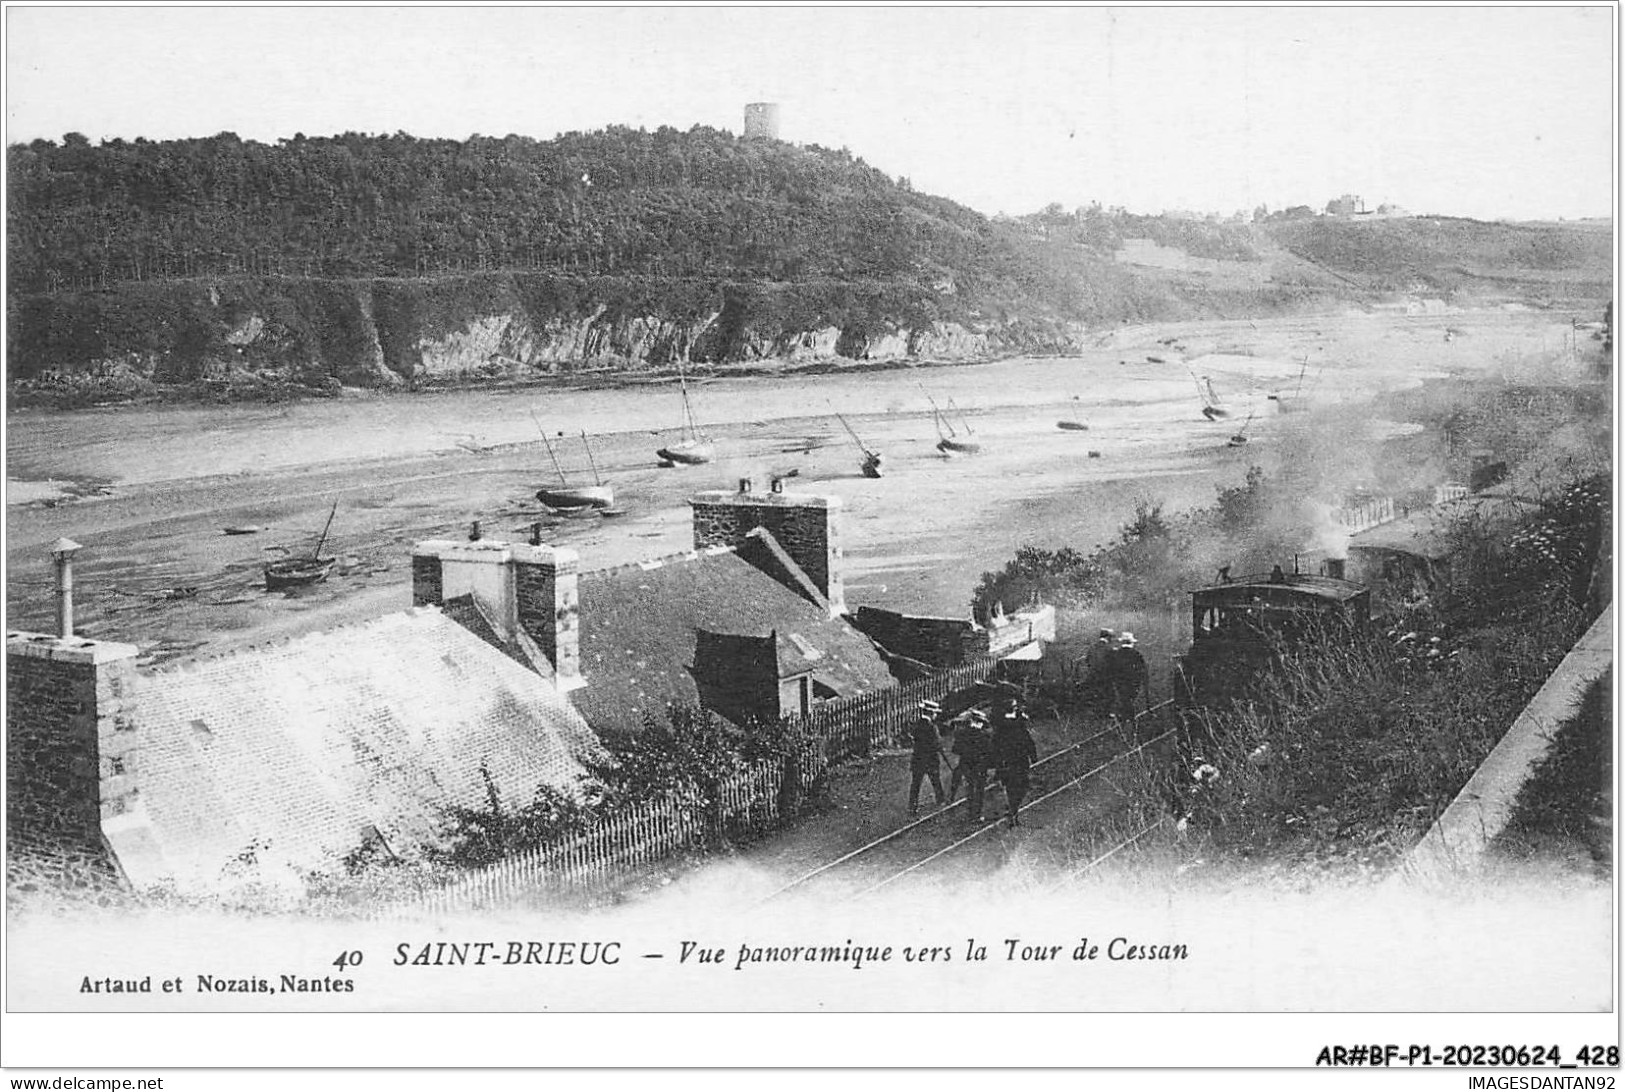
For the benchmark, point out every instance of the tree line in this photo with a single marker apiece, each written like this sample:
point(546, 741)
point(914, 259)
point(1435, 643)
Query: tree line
point(617, 201)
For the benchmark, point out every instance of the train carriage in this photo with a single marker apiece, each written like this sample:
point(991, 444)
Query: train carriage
point(1238, 625)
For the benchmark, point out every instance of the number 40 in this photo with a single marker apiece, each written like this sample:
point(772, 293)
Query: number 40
point(348, 959)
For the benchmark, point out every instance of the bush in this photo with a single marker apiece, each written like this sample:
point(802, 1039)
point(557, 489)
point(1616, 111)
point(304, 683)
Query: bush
point(1063, 577)
point(682, 758)
point(475, 837)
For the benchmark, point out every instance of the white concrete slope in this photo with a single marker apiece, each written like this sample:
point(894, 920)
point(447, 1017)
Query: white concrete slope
point(1453, 846)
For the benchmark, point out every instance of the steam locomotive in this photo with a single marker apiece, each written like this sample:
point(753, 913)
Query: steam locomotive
point(1239, 625)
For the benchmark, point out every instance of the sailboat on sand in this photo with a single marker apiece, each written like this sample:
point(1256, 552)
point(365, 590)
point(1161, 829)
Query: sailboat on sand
point(1291, 403)
point(1240, 437)
point(1212, 408)
point(297, 572)
point(870, 467)
point(695, 447)
point(949, 441)
point(566, 496)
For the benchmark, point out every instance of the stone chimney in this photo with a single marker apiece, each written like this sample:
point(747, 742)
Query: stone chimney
point(806, 526)
point(549, 607)
point(71, 741)
point(527, 593)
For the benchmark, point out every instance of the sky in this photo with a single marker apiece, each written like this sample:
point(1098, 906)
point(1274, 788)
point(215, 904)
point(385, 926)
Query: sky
point(1484, 111)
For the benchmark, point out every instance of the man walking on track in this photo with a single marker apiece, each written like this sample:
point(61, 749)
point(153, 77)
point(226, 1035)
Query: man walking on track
point(1097, 691)
point(1130, 679)
point(972, 745)
point(926, 762)
point(1014, 753)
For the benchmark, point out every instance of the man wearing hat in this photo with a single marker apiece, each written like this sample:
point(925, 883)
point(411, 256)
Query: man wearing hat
point(926, 761)
point(973, 745)
point(1126, 669)
point(1014, 753)
point(1097, 687)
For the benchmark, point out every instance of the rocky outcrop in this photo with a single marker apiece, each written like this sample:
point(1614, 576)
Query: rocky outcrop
point(388, 332)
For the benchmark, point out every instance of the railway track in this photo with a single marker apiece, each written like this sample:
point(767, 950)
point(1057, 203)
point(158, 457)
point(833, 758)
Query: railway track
point(1072, 875)
point(945, 835)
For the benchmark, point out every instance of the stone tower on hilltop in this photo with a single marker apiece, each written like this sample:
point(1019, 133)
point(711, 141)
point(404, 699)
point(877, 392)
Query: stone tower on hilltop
point(762, 121)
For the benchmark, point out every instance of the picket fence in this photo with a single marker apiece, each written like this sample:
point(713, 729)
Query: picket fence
point(744, 805)
point(861, 724)
point(1367, 514)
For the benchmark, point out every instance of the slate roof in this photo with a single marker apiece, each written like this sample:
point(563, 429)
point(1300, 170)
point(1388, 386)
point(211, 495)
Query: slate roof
point(297, 751)
point(466, 611)
point(639, 625)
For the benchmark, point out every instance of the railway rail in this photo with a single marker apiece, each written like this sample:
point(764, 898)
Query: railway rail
point(1072, 875)
point(936, 839)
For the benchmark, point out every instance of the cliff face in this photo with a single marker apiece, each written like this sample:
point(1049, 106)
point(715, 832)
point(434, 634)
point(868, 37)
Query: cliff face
point(389, 332)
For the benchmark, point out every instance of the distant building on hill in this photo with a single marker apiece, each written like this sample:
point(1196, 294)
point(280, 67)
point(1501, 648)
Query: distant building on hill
point(762, 121)
point(1349, 204)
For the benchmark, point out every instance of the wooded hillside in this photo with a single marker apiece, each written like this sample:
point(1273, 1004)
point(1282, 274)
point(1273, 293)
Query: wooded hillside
point(362, 259)
point(616, 202)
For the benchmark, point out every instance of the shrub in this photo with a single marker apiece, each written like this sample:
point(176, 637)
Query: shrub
point(682, 757)
point(1063, 577)
point(474, 837)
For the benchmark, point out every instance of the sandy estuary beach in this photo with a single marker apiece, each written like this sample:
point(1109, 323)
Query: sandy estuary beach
point(149, 491)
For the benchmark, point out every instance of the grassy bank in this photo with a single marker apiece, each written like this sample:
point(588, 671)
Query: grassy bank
point(1345, 751)
point(1564, 815)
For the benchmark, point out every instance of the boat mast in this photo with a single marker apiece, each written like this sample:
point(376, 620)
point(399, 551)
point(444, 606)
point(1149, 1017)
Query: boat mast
point(597, 479)
point(549, 445)
point(968, 430)
point(322, 541)
point(850, 431)
point(1240, 436)
point(691, 431)
point(1200, 393)
point(936, 414)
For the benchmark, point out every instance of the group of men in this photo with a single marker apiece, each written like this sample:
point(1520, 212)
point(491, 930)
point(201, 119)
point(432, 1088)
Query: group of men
point(999, 740)
point(1115, 675)
point(983, 742)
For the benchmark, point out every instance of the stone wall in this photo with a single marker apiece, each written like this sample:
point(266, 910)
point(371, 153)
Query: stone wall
point(71, 747)
point(806, 526)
